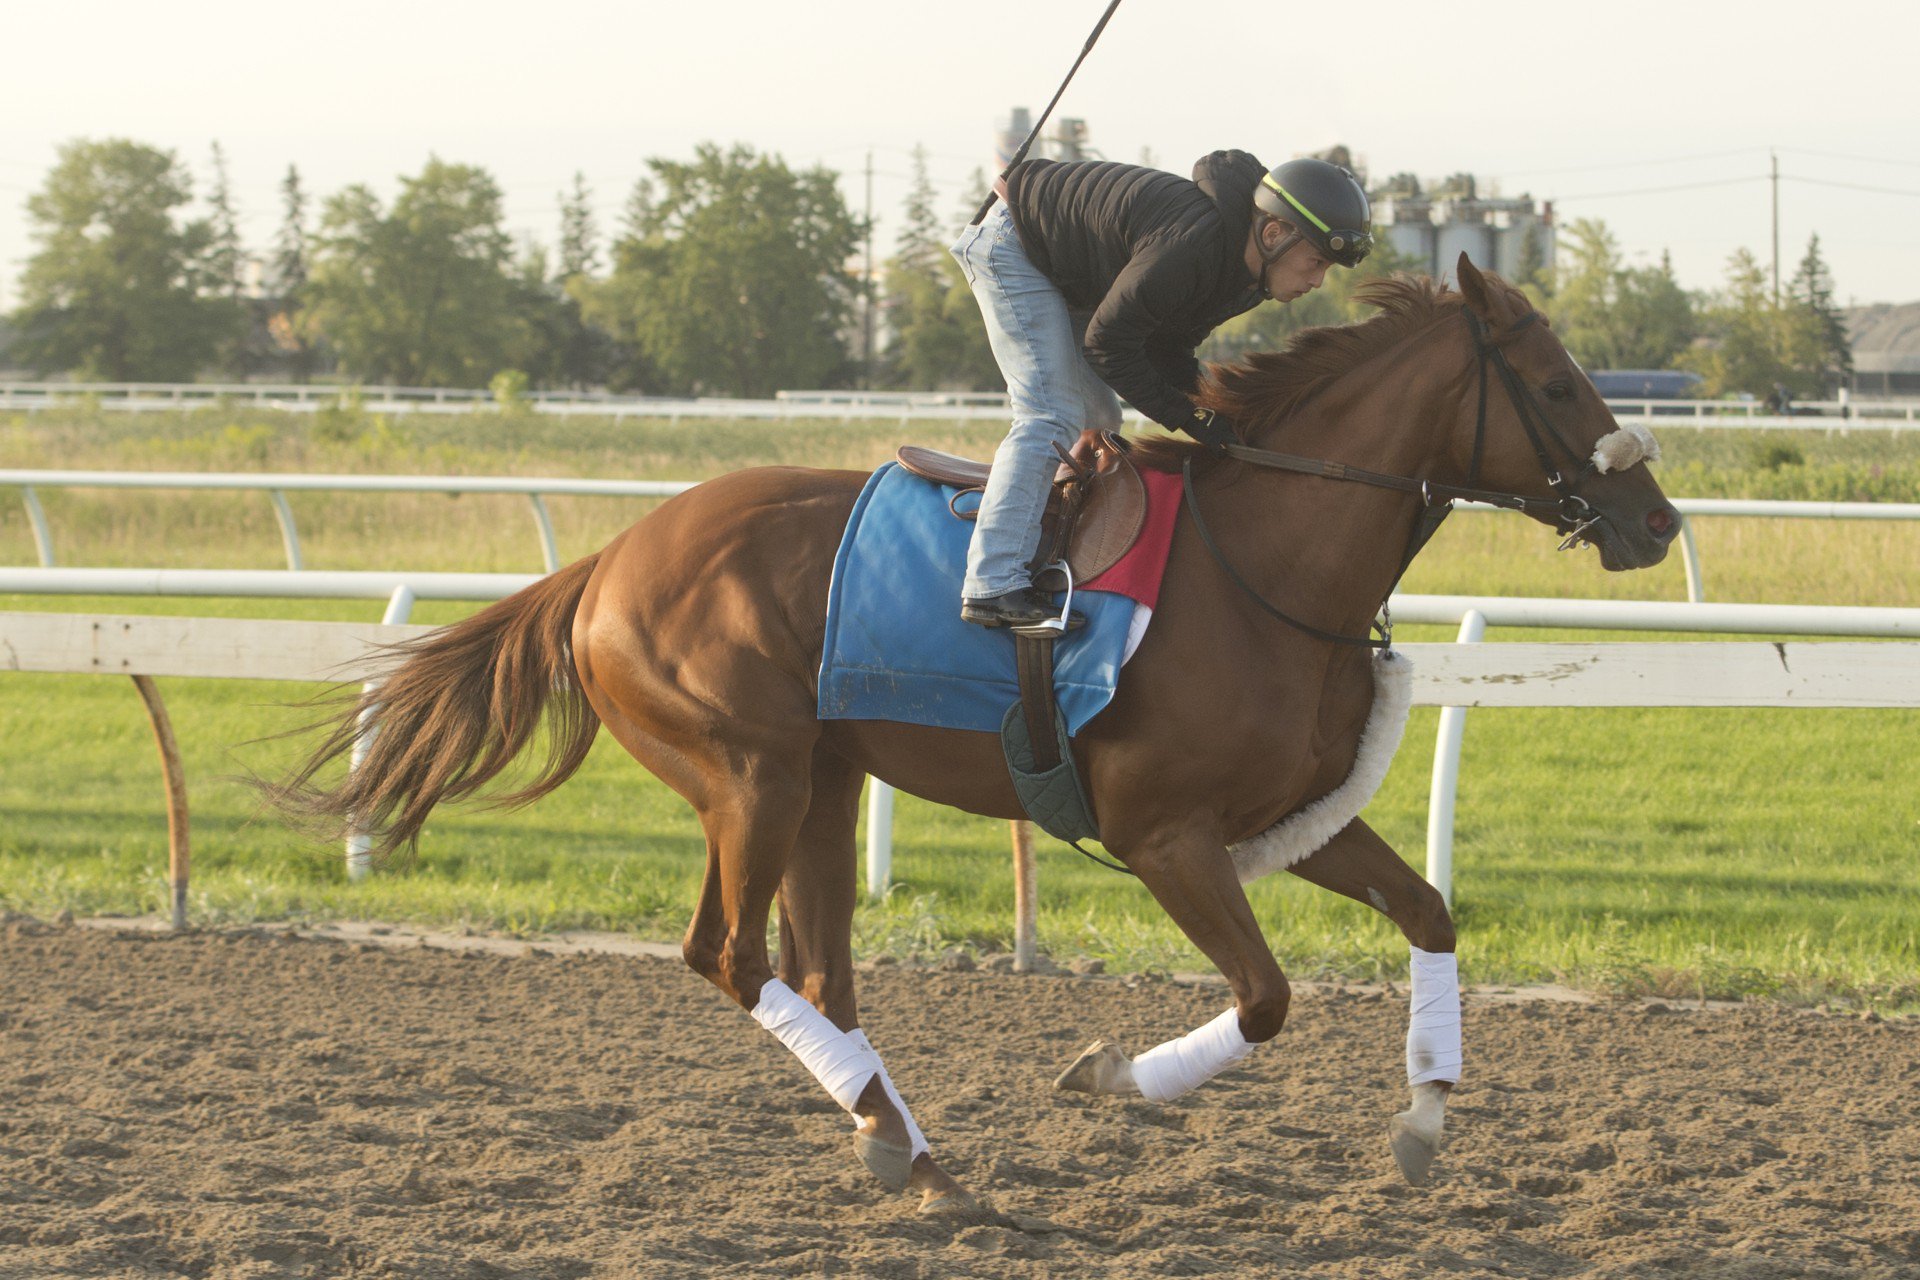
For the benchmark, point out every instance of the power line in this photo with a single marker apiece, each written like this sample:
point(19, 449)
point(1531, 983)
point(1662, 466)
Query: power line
point(1654, 191)
point(1851, 186)
point(1837, 155)
point(1632, 164)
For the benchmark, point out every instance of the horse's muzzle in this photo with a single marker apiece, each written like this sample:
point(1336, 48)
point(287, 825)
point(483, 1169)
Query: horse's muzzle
point(1636, 544)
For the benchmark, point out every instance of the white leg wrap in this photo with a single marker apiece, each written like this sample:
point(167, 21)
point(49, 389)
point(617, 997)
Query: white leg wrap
point(915, 1137)
point(1433, 1025)
point(1166, 1071)
point(838, 1061)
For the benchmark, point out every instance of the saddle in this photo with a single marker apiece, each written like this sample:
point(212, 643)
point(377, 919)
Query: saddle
point(1095, 510)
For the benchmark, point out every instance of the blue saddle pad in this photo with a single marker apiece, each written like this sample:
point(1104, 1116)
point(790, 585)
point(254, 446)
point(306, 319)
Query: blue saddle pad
point(896, 648)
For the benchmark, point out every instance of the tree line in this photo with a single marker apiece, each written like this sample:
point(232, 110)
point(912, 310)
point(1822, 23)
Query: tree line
point(730, 273)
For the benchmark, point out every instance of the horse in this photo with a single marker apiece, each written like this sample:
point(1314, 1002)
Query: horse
point(695, 638)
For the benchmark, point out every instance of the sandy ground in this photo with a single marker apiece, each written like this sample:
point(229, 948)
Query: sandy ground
point(250, 1104)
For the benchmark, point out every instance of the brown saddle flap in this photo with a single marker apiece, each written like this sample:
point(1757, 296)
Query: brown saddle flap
point(1112, 504)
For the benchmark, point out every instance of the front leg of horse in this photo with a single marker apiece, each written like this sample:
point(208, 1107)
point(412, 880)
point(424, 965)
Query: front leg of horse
point(1193, 878)
point(1360, 865)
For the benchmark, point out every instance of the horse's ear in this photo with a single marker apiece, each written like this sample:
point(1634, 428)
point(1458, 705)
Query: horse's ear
point(1473, 287)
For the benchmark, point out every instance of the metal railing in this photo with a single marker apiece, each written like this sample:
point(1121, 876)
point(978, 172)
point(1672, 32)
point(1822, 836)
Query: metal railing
point(400, 590)
point(276, 487)
point(904, 406)
point(536, 490)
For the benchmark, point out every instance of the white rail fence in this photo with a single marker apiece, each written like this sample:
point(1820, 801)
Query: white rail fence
point(1454, 677)
point(537, 489)
point(899, 406)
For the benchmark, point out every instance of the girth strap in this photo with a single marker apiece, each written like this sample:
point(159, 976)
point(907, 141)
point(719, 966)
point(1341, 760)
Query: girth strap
point(1039, 759)
point(1033, 656)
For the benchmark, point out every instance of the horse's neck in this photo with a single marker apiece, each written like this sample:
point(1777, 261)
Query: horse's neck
point(1324, 550)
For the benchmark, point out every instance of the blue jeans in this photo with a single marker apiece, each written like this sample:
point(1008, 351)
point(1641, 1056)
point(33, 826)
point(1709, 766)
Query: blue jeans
point(1054, 393)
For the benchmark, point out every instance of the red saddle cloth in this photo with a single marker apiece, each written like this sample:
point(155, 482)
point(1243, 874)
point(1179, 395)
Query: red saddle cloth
point(1137, 574)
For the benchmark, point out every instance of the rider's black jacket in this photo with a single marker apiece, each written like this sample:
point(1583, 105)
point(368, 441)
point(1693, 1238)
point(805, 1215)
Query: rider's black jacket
point(1159, 261)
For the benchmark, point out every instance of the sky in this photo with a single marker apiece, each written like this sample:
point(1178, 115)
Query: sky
point(1659, 118)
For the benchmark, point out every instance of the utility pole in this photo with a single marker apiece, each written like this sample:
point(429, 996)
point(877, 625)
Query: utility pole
point(866, 289)
point(1775, 156)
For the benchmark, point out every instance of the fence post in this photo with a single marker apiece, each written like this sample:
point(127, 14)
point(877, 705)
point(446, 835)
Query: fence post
point(1446, 776)
point(879, 837)
point(42, 535)
point(1690, 557)
point(1026, 898)
point(359, 846)
point(549, 552)
point(289, 532)
point(178, 856)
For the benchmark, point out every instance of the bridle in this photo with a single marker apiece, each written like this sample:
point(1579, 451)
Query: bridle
point(1573, 516)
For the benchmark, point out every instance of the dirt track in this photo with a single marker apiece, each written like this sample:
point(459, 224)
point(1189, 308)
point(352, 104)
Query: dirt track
point(238, 1105)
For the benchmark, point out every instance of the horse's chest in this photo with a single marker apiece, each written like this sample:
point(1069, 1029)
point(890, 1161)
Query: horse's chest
point(1289, 749)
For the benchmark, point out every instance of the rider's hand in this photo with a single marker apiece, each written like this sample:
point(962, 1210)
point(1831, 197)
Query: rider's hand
point(1211, 428)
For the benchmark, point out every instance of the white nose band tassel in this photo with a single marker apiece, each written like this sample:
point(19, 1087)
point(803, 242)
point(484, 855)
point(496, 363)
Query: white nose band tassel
point(1618, 450)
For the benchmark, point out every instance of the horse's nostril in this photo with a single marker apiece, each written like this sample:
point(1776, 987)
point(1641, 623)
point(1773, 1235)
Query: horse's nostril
point(1662, 520)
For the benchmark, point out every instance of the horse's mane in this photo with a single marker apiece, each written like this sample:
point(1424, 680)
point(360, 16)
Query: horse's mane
point(1264, 387)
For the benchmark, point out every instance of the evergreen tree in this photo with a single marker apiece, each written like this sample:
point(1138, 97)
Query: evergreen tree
point(923, 239)
point(584, 355)
point(116, 290)
point(1820, 348)
point(579, 237)
point(1535, 269)
point(972, 196)
point(290, 243)
point(1745, 350)
point(939, 341)
point(224, 258)
point(288, 325)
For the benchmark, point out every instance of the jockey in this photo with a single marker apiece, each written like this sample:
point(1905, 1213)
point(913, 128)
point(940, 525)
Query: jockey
point(1098, 278)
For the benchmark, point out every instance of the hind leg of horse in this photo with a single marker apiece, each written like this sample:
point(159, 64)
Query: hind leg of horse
point(816, 959)
point(753, 830)
point(1193, 878)
point(1360, 865)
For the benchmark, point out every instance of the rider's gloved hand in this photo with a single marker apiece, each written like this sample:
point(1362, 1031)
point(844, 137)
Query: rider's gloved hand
point(1211, 428)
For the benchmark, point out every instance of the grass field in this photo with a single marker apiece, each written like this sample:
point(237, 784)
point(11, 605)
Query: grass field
point(1724, 852)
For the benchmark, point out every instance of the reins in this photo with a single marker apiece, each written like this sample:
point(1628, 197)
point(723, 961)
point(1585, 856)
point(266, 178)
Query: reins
point(1574, 516)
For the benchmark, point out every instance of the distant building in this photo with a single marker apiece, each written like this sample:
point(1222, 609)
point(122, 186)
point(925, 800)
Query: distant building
point(1066, 139)
point(1512, 235)
point(1886, 349)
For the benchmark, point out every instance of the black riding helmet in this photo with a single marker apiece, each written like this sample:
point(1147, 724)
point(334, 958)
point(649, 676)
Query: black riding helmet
point(1325, 206)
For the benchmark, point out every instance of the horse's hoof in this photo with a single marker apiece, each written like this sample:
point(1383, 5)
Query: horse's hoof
point(951, 1203)
point(888, 1161)
point(1102, 1067)
point(1413, 1151)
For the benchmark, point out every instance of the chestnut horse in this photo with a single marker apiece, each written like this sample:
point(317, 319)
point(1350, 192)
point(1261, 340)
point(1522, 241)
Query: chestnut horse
point(695, 637)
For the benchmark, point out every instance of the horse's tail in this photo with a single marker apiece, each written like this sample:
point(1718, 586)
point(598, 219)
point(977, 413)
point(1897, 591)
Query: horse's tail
point(453, 712)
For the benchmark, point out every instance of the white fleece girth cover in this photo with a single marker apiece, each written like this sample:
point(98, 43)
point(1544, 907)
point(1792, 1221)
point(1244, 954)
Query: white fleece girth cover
point(1618, 450)
point(1300, 833)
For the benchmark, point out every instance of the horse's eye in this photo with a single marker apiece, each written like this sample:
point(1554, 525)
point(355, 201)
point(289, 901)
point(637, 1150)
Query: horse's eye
point(1559, 391)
